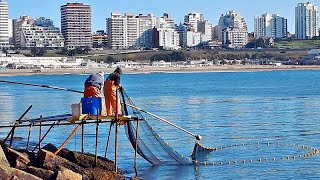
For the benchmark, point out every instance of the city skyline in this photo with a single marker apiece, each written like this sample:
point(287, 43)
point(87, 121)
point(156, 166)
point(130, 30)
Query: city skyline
point(211, 10)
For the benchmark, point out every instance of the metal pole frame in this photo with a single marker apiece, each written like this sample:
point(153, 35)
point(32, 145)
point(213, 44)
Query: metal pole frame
point(135, 151)
point(66, 141)
point(42, 138)
point(29, 134)
point(16, 124)
point(116, 135)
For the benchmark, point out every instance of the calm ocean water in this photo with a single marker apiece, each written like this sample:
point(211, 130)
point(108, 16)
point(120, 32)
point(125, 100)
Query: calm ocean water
point(224, 108)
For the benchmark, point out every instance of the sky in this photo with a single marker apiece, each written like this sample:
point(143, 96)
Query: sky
point(177, 9)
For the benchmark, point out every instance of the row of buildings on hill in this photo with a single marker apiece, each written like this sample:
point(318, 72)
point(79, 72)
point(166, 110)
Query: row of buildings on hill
point(130, 31)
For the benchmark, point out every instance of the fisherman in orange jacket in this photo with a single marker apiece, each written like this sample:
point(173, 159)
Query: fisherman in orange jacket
point(111, 84)
point(93, 87)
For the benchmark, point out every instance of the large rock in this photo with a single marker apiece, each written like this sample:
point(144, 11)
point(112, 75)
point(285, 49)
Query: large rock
point(84, 160)
point(3, 158)
point(66, 174)
point(50, 161)
point(39, 172)
point(15, 158)
point(100, 174)
point(12, 173)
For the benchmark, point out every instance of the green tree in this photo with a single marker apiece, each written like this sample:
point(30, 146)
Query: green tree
point(159, 57)
point(177, 56)
point(109, 59)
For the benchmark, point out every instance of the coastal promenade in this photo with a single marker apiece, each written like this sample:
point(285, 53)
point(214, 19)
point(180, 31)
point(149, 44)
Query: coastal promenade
point(222, 68)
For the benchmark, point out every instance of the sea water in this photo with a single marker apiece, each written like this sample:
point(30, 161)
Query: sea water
point(225, 108)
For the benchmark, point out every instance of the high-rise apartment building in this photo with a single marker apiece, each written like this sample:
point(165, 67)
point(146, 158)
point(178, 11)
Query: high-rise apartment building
point(146, 24)
point(10, 32)
point(270, 25)
point(169, 21)
point(205, 28)
point(123, 31)
point(192, 20)
point(4, 26)
point(306, 18)
point(29, 34)
point(17, 25)
point(232, 30)
point(165, 38)
point(76, 25)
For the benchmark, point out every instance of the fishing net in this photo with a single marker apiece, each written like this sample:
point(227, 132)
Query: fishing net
point(150, 146)
point(156, 151)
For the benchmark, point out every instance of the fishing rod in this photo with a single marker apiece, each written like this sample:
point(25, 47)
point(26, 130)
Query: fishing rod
point(198, 137)
point(40, 85)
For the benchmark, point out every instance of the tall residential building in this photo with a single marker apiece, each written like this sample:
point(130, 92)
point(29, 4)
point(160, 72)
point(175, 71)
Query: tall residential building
point(205, 27)
point(191, 39)
point(10, 32)
point(17, 25)
point(232, 30)
point(123, 31)
point(29, 34)
point(4, 26)
point(76, 25)
point(99, 39)
point(169, 21)
point(146, 24)
point(192, 19)
point(270, 25)
point(234, 37)
point(166, 38)
point(307, 18)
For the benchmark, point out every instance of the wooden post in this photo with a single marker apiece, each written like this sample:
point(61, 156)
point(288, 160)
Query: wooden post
point(29, 134)
point(65, 142)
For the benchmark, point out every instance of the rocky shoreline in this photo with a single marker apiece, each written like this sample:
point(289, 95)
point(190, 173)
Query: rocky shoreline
point(67, 165)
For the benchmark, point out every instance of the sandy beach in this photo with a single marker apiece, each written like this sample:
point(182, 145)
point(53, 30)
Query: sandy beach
point(222, 68)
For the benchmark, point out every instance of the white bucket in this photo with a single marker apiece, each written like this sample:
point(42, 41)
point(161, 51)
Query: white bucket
point(75, 109)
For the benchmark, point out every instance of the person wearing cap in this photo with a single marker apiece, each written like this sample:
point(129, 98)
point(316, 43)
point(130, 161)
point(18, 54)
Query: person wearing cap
point(93, 85)
point(111, 84)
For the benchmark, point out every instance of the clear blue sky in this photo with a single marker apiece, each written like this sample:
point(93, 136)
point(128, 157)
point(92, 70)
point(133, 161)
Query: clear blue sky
point(212, 9)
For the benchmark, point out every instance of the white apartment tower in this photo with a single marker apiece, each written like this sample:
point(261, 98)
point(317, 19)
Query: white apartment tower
point(146, 23)
point(76, 25)
point(4, 25)
point(205, 27)
point(270, 25)
point(10, 24)
point(192, 19)
point(123, 31)
point(232, 30)
point(166, 38)
point(169, 21)
point(306, 18)
point(17, 26)
point(28, 34)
